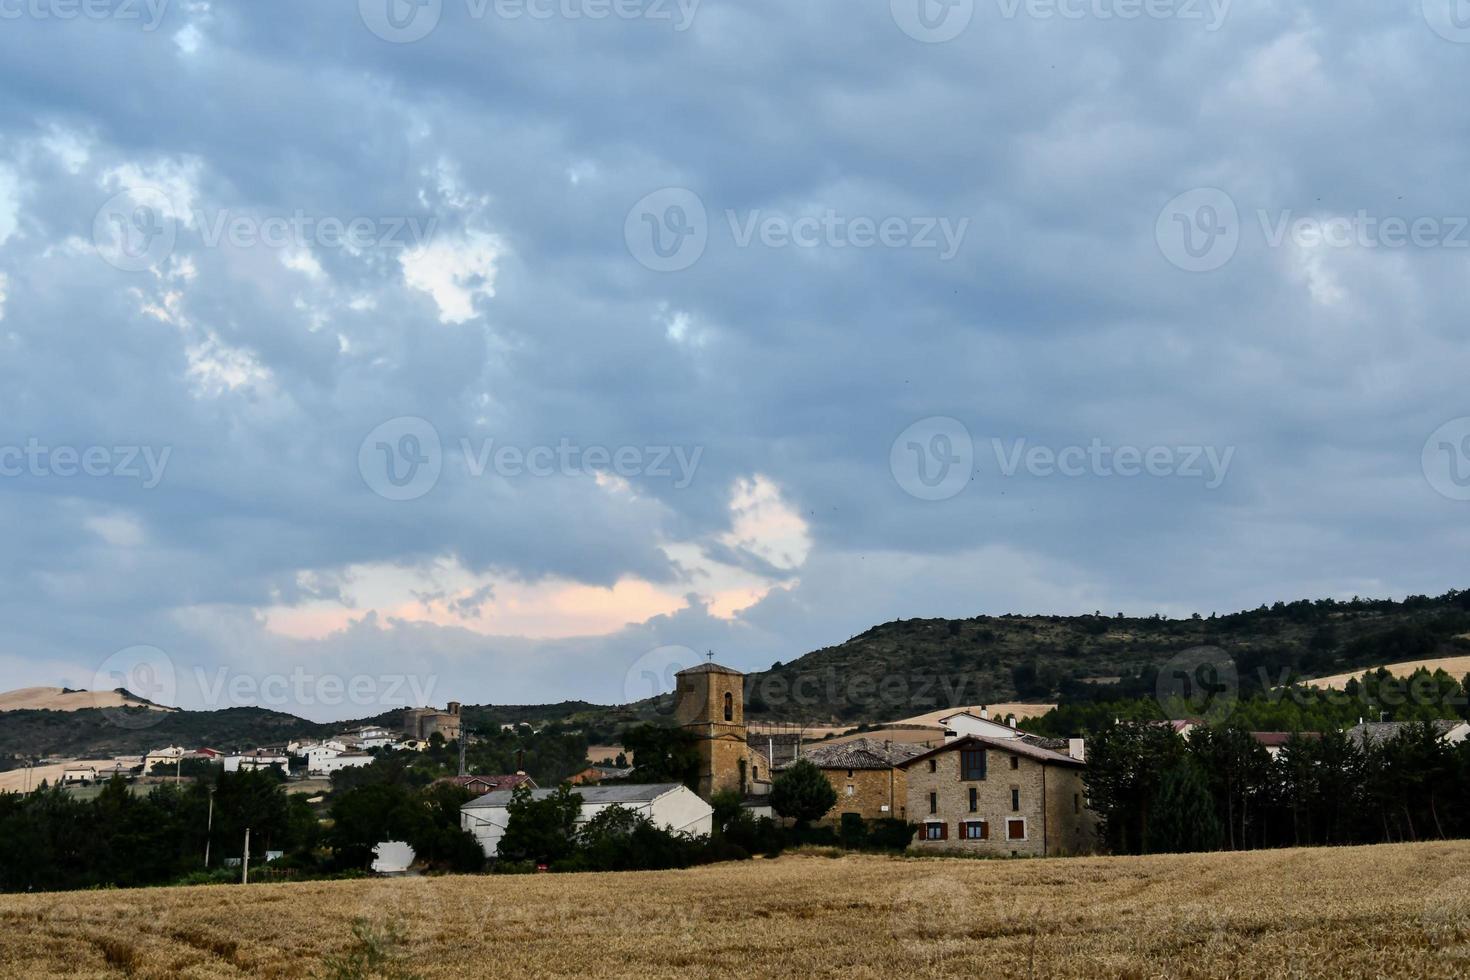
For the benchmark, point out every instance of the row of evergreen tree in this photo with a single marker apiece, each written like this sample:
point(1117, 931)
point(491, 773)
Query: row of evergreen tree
point(1156, 791)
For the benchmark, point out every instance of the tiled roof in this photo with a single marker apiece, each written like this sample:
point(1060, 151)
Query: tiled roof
point(1376, 732)
point(709, 668)
point(862, 753)
point(494, 782)
point(644, 793)
point(1015, 746)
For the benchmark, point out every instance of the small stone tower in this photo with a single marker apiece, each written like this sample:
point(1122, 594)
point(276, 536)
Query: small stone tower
point(710, 702)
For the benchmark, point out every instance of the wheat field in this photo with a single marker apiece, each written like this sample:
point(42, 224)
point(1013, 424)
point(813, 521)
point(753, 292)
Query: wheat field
point(1397, 910)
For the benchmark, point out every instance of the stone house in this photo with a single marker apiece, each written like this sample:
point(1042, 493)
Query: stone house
point(1001, 796)
point(865, 774)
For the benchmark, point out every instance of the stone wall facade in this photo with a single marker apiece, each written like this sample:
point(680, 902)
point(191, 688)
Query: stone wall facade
point(873, 794)
point(1025, 806)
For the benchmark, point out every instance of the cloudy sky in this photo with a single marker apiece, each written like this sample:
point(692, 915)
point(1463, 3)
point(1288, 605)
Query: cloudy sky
point(512, 351)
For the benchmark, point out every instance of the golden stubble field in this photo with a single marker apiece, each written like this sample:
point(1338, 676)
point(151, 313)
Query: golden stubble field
point(1400, 910)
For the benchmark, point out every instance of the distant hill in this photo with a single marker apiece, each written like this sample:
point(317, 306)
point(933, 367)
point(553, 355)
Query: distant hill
point(65, 699)
point(103, 733)
point(1456, 667)
point(914, 666)
point(892, 671)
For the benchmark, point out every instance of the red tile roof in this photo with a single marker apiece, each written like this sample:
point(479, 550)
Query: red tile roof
point(490, 784)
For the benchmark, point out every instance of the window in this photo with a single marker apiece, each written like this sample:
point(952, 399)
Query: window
point(974, 799)
point(849, 789)
point(729, 706)
point(1076, 802)
point(933, 802)
point(933, 766)
point(1016, 829)
point(1015, 762)
point(936, 831)
point(755, 772)
point(1015, 798)
point(975, 830)
point(849, 774)
point(972, 763)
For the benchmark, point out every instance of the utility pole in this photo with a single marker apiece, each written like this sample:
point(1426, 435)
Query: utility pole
point(209, 828)
point(462, 771)
point(245, 863)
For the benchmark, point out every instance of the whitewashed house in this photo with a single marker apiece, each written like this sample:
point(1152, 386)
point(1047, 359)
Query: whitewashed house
point(327, 765)
point(164, 759)
point(78, 775)
point(257, 760)
point(368, 737)
point(318, 754)
point(964, 723)
point(672, 806)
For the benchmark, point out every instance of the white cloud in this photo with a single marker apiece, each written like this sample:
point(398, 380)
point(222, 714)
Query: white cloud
point(454, 273)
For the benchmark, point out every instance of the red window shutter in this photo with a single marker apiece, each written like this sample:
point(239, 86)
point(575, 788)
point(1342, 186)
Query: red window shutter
point(944, 831)
point(984, 830)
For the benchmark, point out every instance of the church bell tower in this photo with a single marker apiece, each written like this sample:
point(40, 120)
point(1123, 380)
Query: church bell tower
point(710, 703)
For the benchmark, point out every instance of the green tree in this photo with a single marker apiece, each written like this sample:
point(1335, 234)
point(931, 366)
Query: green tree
point(543, 830)
point(802, 793)
point(663, 755)
point(1184, 813)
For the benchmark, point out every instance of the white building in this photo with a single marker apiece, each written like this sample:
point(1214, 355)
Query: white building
point(259, 759)
point(78, 775)
point(964, 723)
point(163, 758)
point(326, 765)
point(669, 805)
point(368, 737)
